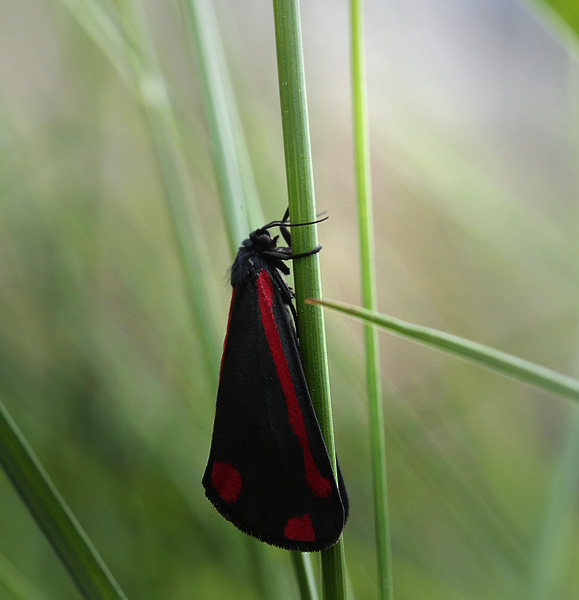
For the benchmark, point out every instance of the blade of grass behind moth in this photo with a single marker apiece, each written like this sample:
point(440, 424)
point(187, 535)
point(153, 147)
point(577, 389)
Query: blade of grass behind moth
point(300, 184)
point(125, 40)
point(70, 542)
point(230, 156)
point(105, 32)
point(548, 564)
point(187, 227)
point(368, 271)
point(496, 360)
point(236, 183)
point(551, 556)
point(305, 575)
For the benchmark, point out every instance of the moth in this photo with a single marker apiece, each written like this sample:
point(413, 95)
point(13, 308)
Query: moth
point(268, 471)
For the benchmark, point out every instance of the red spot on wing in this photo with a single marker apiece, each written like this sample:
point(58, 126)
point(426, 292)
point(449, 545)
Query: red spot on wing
point(300, 529)
point(319, 485)
point(227, 330)
point(226, 481)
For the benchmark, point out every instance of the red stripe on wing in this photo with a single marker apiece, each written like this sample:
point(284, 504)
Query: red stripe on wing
point(319, 485)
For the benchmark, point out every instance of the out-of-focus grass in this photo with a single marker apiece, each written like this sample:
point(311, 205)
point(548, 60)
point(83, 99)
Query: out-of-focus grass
point(101, 369)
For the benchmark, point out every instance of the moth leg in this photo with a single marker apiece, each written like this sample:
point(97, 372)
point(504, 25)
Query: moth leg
point(286, 253)
point(308, 253)
point(287, 295)
point(287, 235)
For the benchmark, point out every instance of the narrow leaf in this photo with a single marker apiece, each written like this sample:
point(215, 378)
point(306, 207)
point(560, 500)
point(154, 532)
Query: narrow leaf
point(53, 516)
point(496, 360)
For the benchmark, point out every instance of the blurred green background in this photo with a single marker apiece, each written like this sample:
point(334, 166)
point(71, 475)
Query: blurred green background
point(473, 115)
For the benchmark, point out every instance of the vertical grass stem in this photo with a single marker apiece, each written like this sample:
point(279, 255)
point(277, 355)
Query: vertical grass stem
point(368, 272)
point(300, 184)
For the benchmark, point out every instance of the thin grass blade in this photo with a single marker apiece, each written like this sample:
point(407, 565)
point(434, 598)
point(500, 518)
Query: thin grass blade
point(300, 183)
point(88, 571)
point(496, 360)
point(368, 273)
point(231, 165)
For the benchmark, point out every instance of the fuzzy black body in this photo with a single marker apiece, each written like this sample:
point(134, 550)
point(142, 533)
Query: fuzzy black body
point(268, 470)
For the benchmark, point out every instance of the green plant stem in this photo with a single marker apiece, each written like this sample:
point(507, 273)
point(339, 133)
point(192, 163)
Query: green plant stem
point(93, 17)
point(368, 272)
point(550, 557)
point(496, 360)
point(88, 571)
point(184, 218)
point(124, 39)
point(230, 155)
point(300, 184)
point(305, 575)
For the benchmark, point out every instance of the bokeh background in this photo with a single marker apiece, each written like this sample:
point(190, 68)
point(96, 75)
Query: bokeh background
point(473, 115)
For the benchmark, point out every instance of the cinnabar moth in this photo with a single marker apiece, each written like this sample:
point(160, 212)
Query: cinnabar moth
point(268, 470)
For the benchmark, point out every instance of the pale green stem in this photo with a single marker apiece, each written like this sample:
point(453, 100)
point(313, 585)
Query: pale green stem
point(368, 272)
point(300, 183)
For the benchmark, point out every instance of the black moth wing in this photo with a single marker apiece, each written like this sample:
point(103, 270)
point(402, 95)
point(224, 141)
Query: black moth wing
point(267, 474)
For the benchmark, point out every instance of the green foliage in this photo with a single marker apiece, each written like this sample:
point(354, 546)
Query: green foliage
point(567, 11)
point(113, 307)
point(53, 515)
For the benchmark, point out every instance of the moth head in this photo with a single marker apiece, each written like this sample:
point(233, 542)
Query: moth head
point(262, 240)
